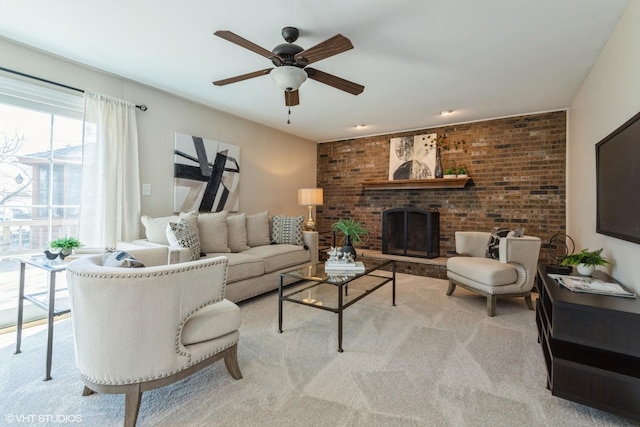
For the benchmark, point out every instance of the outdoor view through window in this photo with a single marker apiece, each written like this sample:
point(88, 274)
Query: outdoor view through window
point(40, 178)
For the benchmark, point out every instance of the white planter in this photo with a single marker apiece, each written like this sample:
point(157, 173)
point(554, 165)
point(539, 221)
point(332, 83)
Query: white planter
point(449, 176)
point(462, 175)
point(585, 270)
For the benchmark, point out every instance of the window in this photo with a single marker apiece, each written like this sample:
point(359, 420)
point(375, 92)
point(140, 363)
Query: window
point(40, 172)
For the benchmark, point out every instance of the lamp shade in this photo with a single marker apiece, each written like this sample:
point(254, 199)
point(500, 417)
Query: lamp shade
point(310, 196)
point(288, 77)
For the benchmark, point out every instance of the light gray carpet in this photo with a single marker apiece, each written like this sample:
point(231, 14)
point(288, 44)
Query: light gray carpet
point(431, 360)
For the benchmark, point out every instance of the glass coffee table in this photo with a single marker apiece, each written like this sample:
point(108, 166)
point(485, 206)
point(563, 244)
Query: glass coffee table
point(335, 291)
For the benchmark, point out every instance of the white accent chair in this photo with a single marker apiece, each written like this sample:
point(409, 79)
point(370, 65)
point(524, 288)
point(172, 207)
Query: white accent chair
point(137, 329)
point(513, 275)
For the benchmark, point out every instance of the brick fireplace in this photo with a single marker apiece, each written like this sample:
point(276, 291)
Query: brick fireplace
point(517, 170)
point(411, 232)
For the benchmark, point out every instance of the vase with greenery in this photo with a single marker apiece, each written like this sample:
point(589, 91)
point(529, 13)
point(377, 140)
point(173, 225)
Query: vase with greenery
point(450, 172)
point(585, 261)
point(353, 231)
point(461, 171)
point(63, 247)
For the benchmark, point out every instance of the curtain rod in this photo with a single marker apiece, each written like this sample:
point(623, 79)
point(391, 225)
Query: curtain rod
point(142, 107)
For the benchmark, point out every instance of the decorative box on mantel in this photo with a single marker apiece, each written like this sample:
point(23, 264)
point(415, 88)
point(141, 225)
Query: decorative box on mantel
point(415, 184)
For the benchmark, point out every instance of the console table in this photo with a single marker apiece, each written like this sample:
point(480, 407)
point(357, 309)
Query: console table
point(591, 346)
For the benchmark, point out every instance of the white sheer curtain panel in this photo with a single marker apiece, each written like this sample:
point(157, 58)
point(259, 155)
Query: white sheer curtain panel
point(110, 199)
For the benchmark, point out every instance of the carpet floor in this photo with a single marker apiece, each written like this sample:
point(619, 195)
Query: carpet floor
point(432, 360)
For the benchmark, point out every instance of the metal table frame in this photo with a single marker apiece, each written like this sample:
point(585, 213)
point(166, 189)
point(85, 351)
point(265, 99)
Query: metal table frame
point(342, 286)
point(48, 305)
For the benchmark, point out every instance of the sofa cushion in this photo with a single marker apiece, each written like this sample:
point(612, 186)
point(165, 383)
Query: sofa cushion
point(156, 228)
point(490, 272)
point(212, 228)
point(237, 232)
point(241, 266)
point(212, 321)
point(287, 230)
point(277, 257)
point(258, 230)
point(181, 234)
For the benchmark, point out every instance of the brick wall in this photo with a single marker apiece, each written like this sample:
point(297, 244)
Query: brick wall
point(517, 167)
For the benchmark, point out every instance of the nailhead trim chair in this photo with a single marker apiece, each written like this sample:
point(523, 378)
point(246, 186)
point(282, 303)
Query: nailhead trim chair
point(513, 275)
point(137, 329)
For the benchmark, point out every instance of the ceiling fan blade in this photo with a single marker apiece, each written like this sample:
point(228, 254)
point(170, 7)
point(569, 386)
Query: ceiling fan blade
point(334, 81)
point(242, 77)
point(291, 98)
point(234, 38)
point(333, 46)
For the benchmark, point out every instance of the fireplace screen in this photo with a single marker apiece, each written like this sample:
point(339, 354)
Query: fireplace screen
point(411, 232)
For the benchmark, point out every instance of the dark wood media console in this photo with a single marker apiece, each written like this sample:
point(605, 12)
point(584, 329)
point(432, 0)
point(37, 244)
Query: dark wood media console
point(591, 345)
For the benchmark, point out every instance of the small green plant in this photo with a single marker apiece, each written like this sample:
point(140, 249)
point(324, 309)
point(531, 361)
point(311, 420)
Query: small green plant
point(349, 227)
point(586, 257)
point(450, 171)
point(462, 170)
point(65, 244)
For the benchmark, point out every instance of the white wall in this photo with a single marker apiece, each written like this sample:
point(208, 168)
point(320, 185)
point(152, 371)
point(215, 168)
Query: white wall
point(609, 97)
point(273, 164)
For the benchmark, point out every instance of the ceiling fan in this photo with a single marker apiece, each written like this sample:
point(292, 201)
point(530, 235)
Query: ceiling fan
point(290, 61)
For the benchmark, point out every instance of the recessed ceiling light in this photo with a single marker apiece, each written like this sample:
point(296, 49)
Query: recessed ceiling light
point(359, 126)
point(445, 112)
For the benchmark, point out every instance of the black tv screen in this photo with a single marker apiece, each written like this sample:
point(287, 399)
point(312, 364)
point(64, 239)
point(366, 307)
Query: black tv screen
point(618, 182)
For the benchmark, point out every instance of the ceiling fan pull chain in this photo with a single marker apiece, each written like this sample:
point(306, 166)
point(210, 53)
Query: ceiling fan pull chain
point(289, 117)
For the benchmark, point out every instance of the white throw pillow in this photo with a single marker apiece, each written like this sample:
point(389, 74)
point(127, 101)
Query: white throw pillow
point(181, 234)
point(116, 258)
point(212, 228)
point(156, 228)
point(237, 232)
point(258, 229)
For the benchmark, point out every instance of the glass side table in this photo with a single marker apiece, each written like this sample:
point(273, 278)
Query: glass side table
point(45, 300)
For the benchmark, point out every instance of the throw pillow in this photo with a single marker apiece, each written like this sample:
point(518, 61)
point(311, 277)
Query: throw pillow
point(156, 228)
point(237, 232)
point(115, 258)
point(258, 229)
point(287, 229)
point(493, 247)
point(182, 235)
point(212, 228)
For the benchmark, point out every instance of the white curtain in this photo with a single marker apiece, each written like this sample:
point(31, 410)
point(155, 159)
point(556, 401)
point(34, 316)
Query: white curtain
point(110, 199)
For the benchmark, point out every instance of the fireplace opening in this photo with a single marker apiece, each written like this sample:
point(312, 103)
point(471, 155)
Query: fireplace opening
point(411, 232)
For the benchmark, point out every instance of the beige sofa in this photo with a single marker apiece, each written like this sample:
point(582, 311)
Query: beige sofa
point(255, 262)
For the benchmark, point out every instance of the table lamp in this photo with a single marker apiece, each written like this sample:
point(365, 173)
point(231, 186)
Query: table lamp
point(310, 197)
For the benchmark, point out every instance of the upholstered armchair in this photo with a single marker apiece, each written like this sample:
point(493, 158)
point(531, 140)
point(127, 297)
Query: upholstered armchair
point(137, 329)
point(513, 275)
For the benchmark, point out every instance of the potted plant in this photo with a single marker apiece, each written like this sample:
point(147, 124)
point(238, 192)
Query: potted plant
point(585, 261)
point(63, 247)
point(353, 231)
point(462, 171)
point(450, 173)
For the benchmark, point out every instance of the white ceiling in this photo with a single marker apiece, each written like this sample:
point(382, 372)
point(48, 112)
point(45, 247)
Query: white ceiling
point(481, 58)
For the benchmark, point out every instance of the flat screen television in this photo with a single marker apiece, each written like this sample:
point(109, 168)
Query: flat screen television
point(618, 182)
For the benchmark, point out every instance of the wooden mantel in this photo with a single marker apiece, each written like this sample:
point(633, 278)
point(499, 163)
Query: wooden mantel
point(415, 184)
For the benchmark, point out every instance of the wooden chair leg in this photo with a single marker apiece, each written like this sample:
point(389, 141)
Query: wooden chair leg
point(133, 396)
point(231, 362)
point(527, 299)
point(491, 305)
point(452, 287)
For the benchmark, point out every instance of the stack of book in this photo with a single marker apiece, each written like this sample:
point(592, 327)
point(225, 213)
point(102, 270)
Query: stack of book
point(333, 267)
point(591, 286)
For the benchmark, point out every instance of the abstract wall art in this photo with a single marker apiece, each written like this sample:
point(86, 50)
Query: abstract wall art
point(412, 157)
point(206, 175)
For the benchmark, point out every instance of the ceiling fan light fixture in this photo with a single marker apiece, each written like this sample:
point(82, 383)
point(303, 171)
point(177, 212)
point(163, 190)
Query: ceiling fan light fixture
point(288, 77)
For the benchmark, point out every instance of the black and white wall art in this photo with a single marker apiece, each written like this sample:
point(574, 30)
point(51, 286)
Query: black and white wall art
point(206, 175)
point(412, 157)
